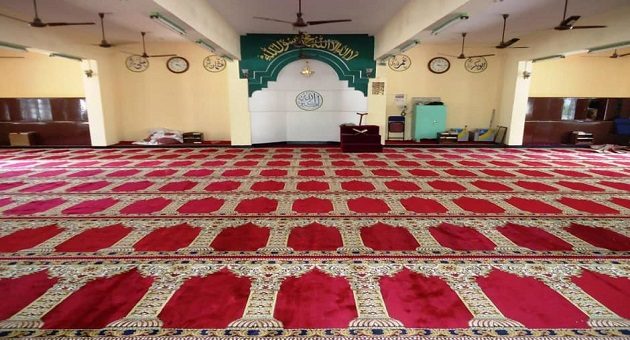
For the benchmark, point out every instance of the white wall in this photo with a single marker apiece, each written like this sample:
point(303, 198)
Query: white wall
point(276, 118)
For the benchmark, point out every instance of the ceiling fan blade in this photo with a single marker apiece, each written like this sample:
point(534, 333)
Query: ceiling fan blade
point(511, 42)
point(480, 55)
point(275, 20)
point(161, 55)
point(55, 24)
point(506, 44)
point(562, 28)
point(321, 22)
point(519, 47)
point(570, 20)
point(14, 18)
point(623, 55)
point(588, 27)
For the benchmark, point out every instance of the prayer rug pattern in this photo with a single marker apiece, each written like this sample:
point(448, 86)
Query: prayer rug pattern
point(311, 242)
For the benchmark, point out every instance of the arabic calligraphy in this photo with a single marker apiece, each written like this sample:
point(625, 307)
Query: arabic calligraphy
point(214, 63)
point(309, 100)
point(476, 64)
point(136, 63)
point(399, 62)
point(273, 50)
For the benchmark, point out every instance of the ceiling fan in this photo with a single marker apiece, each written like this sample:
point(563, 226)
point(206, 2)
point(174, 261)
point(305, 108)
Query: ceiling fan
point(509, 43)
point(300, 22)
point(615, 55)
point(37, 22)
point(144, 50)
point(568, 23)
point(463, 56)
point(104, 43)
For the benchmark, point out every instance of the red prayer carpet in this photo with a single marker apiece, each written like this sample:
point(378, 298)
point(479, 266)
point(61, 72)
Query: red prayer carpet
point(301, 242)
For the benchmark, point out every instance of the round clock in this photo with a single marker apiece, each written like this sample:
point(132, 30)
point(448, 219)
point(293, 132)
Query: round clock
point(177, 64)
point(214, 63)
point(476, 64)
point(137, 63)
point(399, 62)
point(439, 65)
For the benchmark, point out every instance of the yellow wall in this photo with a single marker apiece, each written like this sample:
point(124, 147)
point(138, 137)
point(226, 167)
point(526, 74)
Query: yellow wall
point(157, 98)
point(469, 97)
point(38, 75)
point(581, 76)
point(238, 105)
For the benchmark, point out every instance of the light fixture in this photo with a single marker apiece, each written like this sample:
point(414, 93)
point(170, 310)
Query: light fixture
point(67, 56)
point(407, 46)
point(245, 73)
point(582, 51)
point(383, 60)
point(551, 57)
point(450, 22)
point(205, 45)
point(168, 23)
point(306, 70)
point(609, 47)
point(13, 47)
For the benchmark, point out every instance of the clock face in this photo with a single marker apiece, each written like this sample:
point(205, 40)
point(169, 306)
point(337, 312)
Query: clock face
point(214, 63)
point(476, 64)
point(399, 62)
point(439, 65)
point(137, 63)
point(177, 64)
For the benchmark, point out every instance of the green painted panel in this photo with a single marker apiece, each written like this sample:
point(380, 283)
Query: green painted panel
point(350, 55)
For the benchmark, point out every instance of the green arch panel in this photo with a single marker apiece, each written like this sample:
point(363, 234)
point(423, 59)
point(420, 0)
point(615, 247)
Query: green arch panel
point(265, 55)
point(356, 78)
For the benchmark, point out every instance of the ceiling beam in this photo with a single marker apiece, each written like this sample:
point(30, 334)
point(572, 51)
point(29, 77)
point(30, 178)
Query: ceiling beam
point(412, 19)
point(204, 19)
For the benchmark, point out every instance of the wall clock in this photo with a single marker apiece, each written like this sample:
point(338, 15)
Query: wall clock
point(177, 64)
point(399, 62)
point(476, 64)
point(137, 63)
point(214, 63)
point(439, 65)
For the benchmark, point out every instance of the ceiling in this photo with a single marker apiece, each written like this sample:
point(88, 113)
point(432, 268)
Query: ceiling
point(124, 21)
point(368, 16)
point(526, 17)
point(128, 17)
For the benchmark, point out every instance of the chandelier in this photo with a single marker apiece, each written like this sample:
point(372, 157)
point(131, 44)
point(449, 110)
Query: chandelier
point(306, 70)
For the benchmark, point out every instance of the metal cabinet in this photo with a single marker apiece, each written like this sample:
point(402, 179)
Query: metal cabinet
point(428, 120)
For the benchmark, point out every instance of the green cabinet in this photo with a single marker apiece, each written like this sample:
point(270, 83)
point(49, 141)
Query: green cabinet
point(428, 120)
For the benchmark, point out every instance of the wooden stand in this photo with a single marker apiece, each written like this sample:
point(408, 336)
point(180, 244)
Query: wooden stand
point(22, 138)
point(365, 138)
point(447, 137)
point(581, 138)
point(193, 137)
